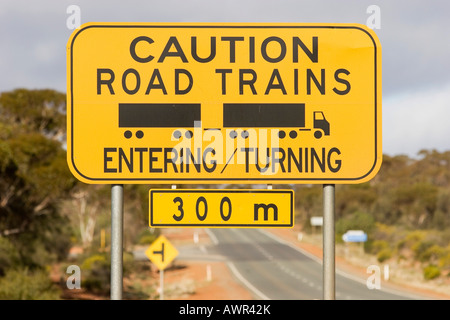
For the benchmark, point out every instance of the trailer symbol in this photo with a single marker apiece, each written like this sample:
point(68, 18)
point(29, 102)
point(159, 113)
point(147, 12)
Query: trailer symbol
point(286, 116)
point(273, 115)
point(157, 115)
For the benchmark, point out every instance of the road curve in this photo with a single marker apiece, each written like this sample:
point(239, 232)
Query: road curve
point(275, 270)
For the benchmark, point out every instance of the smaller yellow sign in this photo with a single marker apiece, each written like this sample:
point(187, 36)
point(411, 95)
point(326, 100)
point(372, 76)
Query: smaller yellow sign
point(221, 208)
point(161, 252)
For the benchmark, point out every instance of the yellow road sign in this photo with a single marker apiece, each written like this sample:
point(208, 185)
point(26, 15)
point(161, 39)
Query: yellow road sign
point(161, 252)
point(223, 103)
point(221, 208)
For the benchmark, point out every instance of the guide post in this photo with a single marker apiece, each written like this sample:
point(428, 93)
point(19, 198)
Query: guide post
point(328, 243)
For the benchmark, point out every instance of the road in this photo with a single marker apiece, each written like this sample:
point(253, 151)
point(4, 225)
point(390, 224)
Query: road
point(275, 270)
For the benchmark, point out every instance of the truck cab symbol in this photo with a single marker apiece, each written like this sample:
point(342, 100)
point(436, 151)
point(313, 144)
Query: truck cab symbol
point(322, 124)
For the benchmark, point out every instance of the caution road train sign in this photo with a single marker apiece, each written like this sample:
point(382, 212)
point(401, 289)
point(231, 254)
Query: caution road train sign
point(223, 103)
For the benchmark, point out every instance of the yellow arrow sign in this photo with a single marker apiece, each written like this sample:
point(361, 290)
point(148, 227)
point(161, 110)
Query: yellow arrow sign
point(161, 252)
point(223, 103)
point(221, 208)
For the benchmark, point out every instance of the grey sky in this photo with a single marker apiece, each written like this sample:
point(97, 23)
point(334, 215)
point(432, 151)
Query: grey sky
point(414, 38)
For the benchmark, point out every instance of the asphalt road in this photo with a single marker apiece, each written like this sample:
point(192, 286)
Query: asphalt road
point(273, 269)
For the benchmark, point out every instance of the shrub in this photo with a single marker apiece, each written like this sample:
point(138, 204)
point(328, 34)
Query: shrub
point(355, 221)
point(9, 256)
point(23, 284)
point(378, 245)
point(384, 254)
point(96, 274)
point(433, 253)
point(444, 261)
point(431, 272)
point(147, 237)
point(420, 249)
point(96, 271)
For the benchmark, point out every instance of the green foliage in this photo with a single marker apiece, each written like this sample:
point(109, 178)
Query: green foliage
point(9, 256)
point(378, 245)
point(147, 236)
point(420, 248)
point(351, 198)
point(384, 254)
point(23, 284)
point(417, 203)
point(431, 272)
point(34, 176)
point(444, 260)
point(148, 239)
point(355, 221)
point(433, 253)
point(35, 111)
point(96, 271)
point(96, 274)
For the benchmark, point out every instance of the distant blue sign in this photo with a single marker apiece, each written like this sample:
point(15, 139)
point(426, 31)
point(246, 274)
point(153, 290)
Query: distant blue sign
point(354, 236)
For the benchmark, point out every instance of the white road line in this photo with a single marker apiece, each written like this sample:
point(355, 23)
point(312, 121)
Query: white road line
point(236, 273)
point(246, 283)
point(340, 272)
point(212, 237)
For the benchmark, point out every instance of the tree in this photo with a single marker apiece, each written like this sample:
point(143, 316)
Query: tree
point(42, 111)
point(33, 173)
point(417, 203)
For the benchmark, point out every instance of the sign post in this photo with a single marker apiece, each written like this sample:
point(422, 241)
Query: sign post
point(329, 269)
point(161, 252)
point(116, 242)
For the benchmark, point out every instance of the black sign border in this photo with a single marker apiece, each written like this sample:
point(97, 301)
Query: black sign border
point(224, 225)
point(219, 180)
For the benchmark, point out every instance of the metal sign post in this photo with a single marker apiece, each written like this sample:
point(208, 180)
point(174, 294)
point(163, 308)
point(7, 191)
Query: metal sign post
point(116, 242)
point(328, 242)
point(161, 284)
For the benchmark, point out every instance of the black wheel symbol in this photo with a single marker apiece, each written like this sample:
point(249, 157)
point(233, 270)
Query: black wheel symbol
point(293, 134)
point(318, 134)
point(281, 134)
point(177, 134)
point(139, 134)
point(128, 134)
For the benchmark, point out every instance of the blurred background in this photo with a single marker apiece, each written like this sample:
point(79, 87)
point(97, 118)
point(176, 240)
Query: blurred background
point(46, 215)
